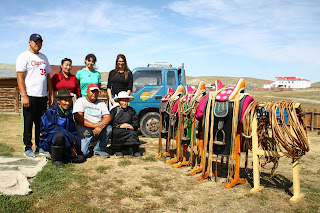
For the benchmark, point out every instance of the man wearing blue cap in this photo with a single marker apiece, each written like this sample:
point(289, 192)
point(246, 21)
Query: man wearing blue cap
point(33, 81)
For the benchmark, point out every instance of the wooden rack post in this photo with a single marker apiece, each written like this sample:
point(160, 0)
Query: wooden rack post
point(297, 196)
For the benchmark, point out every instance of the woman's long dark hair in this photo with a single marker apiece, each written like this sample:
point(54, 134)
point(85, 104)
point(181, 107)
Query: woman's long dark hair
point(62, 61)
point(126, 68)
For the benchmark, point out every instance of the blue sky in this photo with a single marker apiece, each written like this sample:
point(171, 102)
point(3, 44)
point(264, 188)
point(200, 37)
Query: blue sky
point(239, 38)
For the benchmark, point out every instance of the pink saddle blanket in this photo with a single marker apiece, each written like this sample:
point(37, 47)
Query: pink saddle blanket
point(201, 106)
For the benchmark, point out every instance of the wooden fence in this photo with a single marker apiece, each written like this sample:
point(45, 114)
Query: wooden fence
point(312, 119)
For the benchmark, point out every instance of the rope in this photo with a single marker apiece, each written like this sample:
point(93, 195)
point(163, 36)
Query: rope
point(274, 134)
point(291, 139)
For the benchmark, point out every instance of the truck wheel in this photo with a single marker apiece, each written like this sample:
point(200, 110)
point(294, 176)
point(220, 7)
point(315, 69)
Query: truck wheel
point(150, 124)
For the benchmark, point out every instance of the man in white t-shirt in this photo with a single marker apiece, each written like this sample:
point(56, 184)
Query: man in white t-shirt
point(33, 81)
point(92, 120)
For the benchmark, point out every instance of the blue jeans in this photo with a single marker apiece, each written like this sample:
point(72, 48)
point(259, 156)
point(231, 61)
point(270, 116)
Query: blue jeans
point(103, 139)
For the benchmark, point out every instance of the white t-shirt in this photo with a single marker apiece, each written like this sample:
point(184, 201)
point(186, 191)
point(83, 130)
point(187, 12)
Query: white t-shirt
point(36, 68)
point(93, 112)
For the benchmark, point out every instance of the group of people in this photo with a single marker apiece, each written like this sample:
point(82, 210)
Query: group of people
point(78, 118)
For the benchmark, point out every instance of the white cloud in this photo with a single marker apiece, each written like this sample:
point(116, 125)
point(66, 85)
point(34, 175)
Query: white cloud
point(283, 31)
point(105, 17)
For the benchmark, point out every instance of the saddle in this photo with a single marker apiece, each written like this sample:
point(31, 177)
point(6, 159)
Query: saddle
point(223, 115)
point(164, 100)
point(166, 106)
point(188, 109)
point(189, 90)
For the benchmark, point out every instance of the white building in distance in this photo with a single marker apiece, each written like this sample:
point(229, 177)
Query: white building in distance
point(288, 82)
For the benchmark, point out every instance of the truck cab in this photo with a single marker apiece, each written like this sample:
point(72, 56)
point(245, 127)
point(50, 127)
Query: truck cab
point(150, 85)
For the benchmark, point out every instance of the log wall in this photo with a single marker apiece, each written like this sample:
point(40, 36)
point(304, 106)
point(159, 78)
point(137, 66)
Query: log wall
point(9, 96)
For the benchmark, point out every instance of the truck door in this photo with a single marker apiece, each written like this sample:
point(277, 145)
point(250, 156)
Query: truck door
point(172, 79)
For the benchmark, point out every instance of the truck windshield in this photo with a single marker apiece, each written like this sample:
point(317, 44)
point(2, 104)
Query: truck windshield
point(146, 78)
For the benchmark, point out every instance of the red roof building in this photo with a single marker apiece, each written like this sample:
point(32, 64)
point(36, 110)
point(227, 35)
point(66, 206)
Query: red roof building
point(288, 82)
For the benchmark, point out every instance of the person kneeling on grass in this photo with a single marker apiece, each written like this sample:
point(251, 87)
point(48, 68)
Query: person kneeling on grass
point(92, 120)
point(125, 124)
point(59, 133)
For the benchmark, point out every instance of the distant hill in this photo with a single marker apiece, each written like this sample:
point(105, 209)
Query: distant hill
point(254, 82)
point(317, 84)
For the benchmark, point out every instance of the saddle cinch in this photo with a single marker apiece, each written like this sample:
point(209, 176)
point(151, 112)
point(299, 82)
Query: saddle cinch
point(223, 111)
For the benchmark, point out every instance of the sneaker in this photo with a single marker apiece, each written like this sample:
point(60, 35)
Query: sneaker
point(29, 153)
point(137, 155)
point(40, 151)
point(119, 154)
point(102, 154)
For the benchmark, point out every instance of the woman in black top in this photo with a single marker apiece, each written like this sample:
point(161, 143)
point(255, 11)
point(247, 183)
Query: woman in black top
point(120, 79)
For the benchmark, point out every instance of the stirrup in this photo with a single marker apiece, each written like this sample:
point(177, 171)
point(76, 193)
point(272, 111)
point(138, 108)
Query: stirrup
point(219, 143)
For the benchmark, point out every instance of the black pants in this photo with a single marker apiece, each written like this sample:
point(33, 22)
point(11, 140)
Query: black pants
point(59, 140)
point(32, 114)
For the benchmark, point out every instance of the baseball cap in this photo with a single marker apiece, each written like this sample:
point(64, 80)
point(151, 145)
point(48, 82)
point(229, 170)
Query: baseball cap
point(93, 87)
point(35, 37)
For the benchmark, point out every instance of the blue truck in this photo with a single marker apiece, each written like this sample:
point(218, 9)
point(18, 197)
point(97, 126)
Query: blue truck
point(150, 84)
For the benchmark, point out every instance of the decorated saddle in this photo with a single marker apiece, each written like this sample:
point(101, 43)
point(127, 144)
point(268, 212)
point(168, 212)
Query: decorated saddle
point(223, 112)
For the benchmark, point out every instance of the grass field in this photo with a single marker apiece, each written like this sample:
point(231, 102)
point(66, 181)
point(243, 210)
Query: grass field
point(149, 185)
point(308, 98)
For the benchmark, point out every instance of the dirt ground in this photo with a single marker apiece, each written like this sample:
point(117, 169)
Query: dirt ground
point(145, 184)
point(149, 185)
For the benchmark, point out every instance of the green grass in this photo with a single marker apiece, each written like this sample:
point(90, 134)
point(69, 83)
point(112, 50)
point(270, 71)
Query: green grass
point(170, 200)
point(14, 203)
point(301, 96)
point(5, 150)
point(103, 169)
point(52, 186)
point(125, 162)
point(51, 180)
point(149, 158)
point(306, 171)
point(3, 117)
point(87, 188)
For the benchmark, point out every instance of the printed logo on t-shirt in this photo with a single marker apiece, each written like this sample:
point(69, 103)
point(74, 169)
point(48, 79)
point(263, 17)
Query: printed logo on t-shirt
point(37, 63)
point(92, 111)
point(43, 71)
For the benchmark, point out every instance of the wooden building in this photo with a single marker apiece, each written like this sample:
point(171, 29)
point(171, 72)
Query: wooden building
point(10, 100)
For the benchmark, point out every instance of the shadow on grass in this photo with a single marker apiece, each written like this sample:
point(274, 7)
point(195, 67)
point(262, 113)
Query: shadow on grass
point(278, 181)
